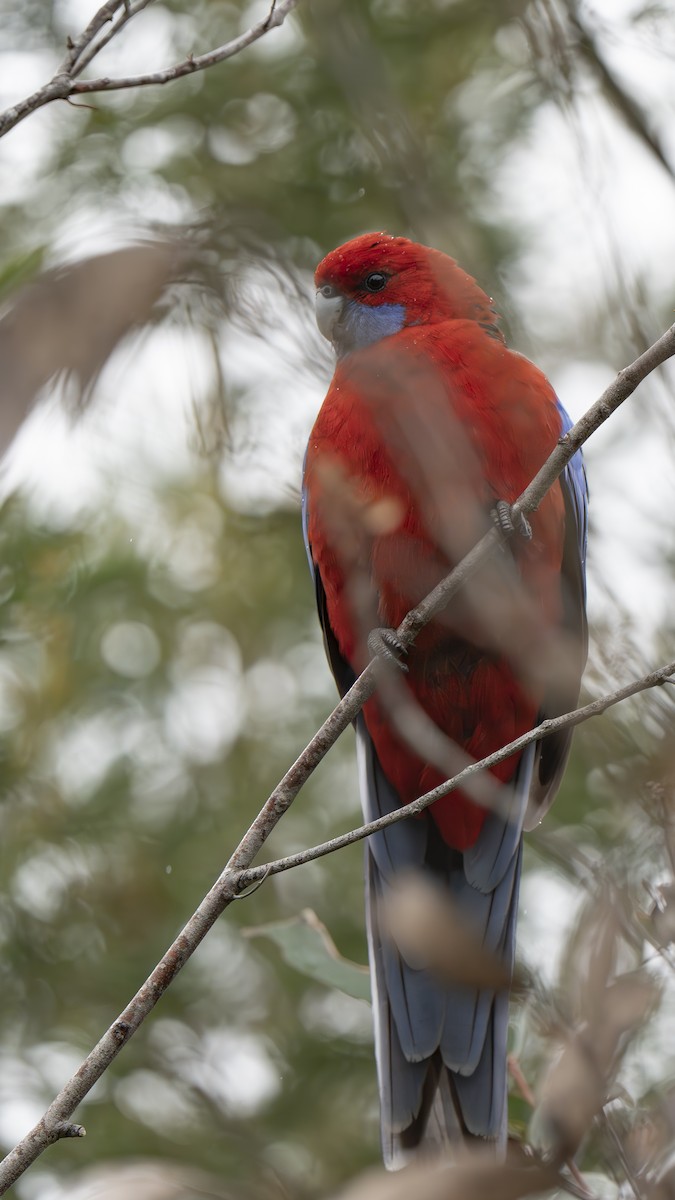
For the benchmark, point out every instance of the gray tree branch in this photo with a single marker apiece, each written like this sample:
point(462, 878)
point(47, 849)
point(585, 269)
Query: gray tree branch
point(577, 717)
point(89, 52)
point(77, 46)
point(81, 51)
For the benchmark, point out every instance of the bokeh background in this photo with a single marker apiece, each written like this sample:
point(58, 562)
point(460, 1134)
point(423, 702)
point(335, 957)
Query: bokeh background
point(160, 661)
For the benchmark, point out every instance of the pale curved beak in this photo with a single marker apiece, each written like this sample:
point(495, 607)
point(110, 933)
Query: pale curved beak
point(328, 312)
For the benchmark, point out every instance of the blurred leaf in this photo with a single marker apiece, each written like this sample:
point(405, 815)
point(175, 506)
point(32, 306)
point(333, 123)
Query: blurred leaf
point(71, 318)
point(307, 946)
point(472, 1177)
point(608, 1012)
point(431, 933)
point(663, 915)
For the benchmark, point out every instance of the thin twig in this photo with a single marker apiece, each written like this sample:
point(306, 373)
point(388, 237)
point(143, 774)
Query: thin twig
point(79, 54)
point(515, 1071)
point(236, 876)
point(545, 729)
point(96, 47)
point(77, 47)
point(193, 63)
point(633, 115)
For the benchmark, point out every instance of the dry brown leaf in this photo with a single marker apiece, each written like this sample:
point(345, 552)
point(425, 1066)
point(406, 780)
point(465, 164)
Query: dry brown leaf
point(663, 1189)
point(576, 1085)
point(607, 1011)
point(473, 1177)
point(71, 318)
point(645, 1140)
point(663, 915)
point(573, 1091)
point(431, 933)
point(628, 1002)
point(600, 937)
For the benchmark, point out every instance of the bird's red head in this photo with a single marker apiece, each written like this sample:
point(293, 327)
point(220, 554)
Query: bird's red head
point(409, 284)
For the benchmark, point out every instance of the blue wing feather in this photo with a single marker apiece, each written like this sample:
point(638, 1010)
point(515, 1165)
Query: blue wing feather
point(554, 751)
point(575, 489)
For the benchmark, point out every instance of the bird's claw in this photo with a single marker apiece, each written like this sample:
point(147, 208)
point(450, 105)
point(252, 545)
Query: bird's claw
point(386, 644)
point(502, 515)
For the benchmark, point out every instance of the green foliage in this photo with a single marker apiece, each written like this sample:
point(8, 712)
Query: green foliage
point(145, 718)
point(158, 674)
point(306, 945)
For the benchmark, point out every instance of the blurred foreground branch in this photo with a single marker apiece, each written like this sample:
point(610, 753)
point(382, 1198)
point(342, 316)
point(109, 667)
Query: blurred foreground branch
point(614, 88)
point(83, 49)
point(235, 877)
point(70, 319)
point(476, 1176)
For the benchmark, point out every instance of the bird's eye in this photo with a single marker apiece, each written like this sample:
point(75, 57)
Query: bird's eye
point(375, 281)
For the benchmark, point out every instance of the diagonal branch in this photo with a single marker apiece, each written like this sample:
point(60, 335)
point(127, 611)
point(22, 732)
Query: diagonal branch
point(552, 725)
point(236, 876)
point(85, 48)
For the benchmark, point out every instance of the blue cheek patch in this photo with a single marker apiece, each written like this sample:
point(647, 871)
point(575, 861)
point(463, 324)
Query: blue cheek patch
point(363, 324)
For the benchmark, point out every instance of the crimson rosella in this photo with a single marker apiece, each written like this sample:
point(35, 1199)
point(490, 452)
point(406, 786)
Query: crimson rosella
point(431, 428)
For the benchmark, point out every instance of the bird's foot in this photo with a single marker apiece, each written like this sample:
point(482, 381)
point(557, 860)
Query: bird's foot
point(386, 644)
point(502, 515)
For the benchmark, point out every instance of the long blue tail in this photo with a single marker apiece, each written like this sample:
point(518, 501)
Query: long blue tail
point(441, 1051)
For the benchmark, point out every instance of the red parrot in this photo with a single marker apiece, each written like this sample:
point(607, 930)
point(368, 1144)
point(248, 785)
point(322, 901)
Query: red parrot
point(430, 430)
